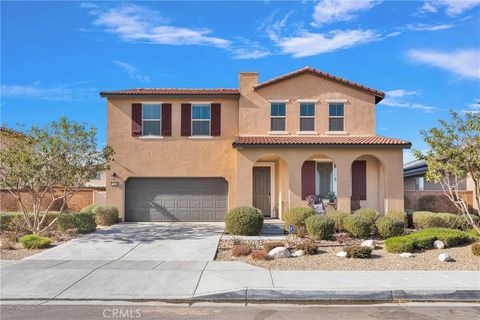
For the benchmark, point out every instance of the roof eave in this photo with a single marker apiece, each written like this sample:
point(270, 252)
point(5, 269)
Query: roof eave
point(168, 96)
point(319, 146)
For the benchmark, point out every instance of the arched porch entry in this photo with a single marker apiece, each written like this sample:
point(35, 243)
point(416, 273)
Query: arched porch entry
point(367, 184)
point(319, 177)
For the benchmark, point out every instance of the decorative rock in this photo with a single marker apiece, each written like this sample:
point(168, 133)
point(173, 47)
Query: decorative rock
point(279, 253)
point(407, 255)
point(445, 257)
point(368, 243)
point(437, 244)
point(298, 253)
point(341, 254)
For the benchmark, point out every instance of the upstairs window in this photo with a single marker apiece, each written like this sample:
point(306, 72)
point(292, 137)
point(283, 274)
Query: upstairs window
point(419, 183)
point(277, 117)
point(336, 117)
point(151, 119)
point(307, 116)
point(201, 120)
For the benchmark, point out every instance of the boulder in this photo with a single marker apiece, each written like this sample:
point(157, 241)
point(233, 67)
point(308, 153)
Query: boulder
point(369, 244)
point(445, 257)
point(298, 253)
point(437, 244)
point(407, 255)
point(341, 254)
point(279, 253)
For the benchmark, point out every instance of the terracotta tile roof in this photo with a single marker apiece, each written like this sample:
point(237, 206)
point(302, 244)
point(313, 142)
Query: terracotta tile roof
point(173, 92)
point(379, 95)
point(316, 141)
point(10, 131)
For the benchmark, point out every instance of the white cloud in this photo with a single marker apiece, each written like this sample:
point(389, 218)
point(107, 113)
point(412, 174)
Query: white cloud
point(58, 92)
point(328, 11)
point(132, 71)
point(133, 23)
point(465, 63)
point(400, 93)
point(473, 107)
point(399, 98)
point(427, 27)
point(452, 7)
point(309, 44)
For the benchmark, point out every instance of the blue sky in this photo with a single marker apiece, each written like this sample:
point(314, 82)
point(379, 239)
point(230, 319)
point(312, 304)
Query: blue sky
point(57, 56)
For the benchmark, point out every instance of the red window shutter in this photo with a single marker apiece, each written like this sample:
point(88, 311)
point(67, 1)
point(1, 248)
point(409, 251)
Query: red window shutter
point(308, 179)
point(136, 119)
point(186, 120)
point(166, 119)
point(359, 179)
point(215, 123)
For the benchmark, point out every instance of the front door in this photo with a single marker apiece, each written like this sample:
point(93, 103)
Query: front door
point(261, 189)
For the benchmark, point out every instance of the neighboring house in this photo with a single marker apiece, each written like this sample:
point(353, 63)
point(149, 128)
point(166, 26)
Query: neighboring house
point(98, 186)
point(192, 154)
point(417, 186)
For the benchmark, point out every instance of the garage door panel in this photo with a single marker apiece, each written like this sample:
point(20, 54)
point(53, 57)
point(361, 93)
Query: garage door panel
point(176, 199)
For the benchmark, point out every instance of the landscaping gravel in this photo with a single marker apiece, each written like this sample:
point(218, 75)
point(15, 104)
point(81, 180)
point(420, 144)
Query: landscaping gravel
point(381, 260)
point(18, 254)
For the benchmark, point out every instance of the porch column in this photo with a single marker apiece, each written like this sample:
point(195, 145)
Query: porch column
point(294, 196)
point(394, 184)
point(343, 184)
point(244, 185)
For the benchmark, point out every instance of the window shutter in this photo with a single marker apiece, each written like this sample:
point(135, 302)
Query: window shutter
point(215, 123)
point(136, 119)
point(186, 120)
point(308, 179)
point(359, 179)
point(166, 119)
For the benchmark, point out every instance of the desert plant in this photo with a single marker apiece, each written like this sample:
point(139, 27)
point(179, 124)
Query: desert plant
point(67, 222)
point(370, 214)
point(399, 245)
point(296, 217)
point(269, 245)
point(476, 249)
point(357, 226)
point(245, 221)
point(34, 241)
point(320, 226)
point(241, 250)
point(88, 208)
point(338, 217)
point(83, 222)
point(259, 255)
point(106, 215)
point(389, 227)
point(309, 246)
point(358, 252)
point(397, 214)
point(453, 221)
point(427, 219)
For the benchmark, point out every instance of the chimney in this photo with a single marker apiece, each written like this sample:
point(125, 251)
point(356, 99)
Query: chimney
point(247, 80)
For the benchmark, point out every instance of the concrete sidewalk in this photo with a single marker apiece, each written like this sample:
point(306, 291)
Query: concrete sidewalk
point(224, 281)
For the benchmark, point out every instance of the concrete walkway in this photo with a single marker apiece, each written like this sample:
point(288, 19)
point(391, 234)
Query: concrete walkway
point(224, 281)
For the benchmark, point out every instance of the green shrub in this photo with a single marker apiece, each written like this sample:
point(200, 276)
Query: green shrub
point(241, 250)
point(397, 214)
point(389, 227)
point(296, 217)
point(34, 241)
point(12, 220)
point(422, 240)
point(453, 221)
point(450, 237)
point(338, 217)
point(7, 220)
point(357, 226)
point(358, 252)
point(309, 246)
point(427, 219)
point(106, 215)
point(476, 249)
point(83, 222)
point(88, 208)
point(245, 221)
point(370, 214)
point(399, 244)
point(269, 245)
point(474, 232)
point(320, 226)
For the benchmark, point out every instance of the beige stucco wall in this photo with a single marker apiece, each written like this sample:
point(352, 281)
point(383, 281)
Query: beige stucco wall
point(471, 187)
point(174, 156)
point(255, 106)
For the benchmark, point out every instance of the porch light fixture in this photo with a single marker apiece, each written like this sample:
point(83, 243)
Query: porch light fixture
point(114, 182)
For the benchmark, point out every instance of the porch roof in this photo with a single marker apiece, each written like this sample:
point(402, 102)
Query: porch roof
point(319, 142)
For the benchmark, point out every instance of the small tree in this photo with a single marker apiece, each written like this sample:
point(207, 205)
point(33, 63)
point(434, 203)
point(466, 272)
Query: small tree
point(454, 154)
point(50, 164)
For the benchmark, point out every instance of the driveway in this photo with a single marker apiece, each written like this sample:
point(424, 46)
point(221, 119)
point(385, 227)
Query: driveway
point(143, 241)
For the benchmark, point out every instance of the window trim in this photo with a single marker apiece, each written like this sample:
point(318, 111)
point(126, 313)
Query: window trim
point(201, 120)
point(307, 117)
point(336, 117)
point(284, 131)
point(152, 136)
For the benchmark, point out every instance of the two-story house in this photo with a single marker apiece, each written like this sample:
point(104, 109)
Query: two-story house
point(193, 154)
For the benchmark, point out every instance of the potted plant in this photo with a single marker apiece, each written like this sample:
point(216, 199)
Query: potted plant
point(330, 196)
